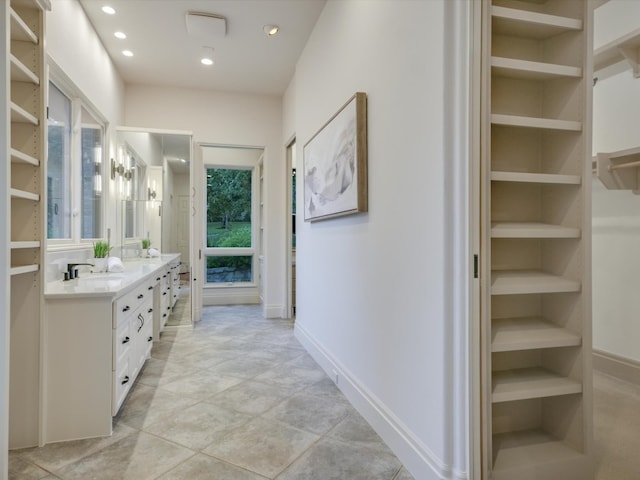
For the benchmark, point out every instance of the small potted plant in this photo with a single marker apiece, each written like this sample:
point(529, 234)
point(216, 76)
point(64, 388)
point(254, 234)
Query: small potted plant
point(146, 243)
point(100, 252)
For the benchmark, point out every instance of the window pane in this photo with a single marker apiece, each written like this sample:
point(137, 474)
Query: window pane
point(59, 165)
point(228, 208)
point(235, 269)
point(92, 168)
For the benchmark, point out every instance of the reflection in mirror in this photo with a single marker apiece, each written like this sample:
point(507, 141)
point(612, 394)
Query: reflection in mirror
point(155, 202)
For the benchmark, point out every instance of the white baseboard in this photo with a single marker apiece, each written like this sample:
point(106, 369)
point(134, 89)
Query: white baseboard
point(417, 458)
point(616, 366)
point(273, 311)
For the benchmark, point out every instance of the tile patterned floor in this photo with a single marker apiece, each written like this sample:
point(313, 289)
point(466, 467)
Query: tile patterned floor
point(236, 398)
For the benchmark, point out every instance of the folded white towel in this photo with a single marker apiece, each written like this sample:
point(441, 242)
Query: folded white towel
point(154, 252)
point(114, 264)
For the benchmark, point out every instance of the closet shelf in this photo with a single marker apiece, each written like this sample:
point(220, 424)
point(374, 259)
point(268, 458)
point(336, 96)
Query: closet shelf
point(619, 170)
point(525, 177)
point(19, 29)
point(527, 333)
point(21, 73)
point(527, 383)
point(514, 282)
point(532, 230)
point(19, 270)
point(20, 115)
point(523, 23)
point(515, 68)
point(21, 194)
point(535, 122)
point(25, 244)
point(529, 448)
point(19, 157)
point(624, 48)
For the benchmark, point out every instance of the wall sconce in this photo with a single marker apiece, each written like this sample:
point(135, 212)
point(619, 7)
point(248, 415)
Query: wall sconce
point(152, 194)
point(119, 169)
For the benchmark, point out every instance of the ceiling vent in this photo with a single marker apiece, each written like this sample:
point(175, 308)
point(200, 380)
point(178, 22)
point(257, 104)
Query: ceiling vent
point(206, 26)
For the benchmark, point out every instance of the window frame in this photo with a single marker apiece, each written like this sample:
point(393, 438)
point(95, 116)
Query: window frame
point(79, 102)
point(253, 250)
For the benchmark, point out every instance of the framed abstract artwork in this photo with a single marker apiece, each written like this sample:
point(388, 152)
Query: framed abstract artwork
point(335, 164)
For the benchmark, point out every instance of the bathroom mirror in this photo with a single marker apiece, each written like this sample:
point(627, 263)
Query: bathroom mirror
point(153, 183)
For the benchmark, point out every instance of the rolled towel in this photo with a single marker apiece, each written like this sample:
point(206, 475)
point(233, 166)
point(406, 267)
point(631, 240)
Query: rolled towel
point(154, 252)
point(114, 264)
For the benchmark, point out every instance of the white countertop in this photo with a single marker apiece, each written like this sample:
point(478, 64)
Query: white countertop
point(109, 284)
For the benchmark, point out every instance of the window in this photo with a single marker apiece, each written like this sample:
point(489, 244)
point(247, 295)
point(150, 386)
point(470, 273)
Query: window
point(230, 253)
point(75, 180)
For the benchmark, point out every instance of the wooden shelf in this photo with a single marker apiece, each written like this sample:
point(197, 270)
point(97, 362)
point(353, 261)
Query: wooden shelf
point(20, 115)
point(19, 157)
point(514, 282)
point(19, 270)
point(21, 73)
point(536, 122)
point(21, 194)
point(523, 23)
point(515, 68)
point(530, 449)
point(524, 177)
point(527, 333)
point(624, 48)
point(25, 244)
point(532, 230)
point(20, 30)
point(527, 383)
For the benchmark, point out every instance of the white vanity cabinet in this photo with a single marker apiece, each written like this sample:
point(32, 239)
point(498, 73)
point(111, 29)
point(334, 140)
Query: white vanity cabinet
point(174, 268)
point(97, 335)
point(132, 339)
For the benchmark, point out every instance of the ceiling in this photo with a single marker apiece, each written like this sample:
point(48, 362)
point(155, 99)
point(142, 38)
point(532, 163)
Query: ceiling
point(246, 59)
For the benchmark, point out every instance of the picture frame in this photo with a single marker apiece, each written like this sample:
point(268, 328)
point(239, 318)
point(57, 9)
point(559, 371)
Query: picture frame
point(335, 164)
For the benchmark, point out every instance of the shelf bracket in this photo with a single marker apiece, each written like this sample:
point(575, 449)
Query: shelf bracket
point(630, 54)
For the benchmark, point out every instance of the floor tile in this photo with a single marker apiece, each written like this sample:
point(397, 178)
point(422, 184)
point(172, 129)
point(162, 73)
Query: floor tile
point(311, 413)
point(355, 430)
point(251, 397)
point(201, 385)
point(403, 475)
point(21, 469)
point(145, 405)
point(54, 456)
point(138, 456)
point(203, 467)
point(262, 446)
point(197, 426)
point(244, 367)
point(333, 460)
point(292, 377)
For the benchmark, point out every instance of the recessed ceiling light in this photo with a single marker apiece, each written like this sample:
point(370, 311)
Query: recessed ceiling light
point(206, 61)
point(127, 53)
point(271, 30)
point(120, 35)
point(109, 10)
point(207, 56)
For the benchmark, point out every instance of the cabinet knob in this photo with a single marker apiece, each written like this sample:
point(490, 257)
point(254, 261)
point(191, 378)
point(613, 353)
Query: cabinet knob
point(125, 340)
point(126, 308)
point(157, 279)
point(150, 310)
point(125, 380)
point(164, 293)
point(140, 296)
point(149, 339)
point(150, 287)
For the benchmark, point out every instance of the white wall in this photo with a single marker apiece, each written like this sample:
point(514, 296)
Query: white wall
point(616, 213)
point(228, 119)
point(371, 288)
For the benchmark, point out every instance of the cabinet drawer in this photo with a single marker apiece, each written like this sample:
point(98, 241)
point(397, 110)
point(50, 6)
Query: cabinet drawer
point(122, 341)
point(122, 380)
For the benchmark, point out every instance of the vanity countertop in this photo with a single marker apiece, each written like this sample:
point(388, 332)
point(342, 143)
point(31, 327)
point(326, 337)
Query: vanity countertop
point(109, 284)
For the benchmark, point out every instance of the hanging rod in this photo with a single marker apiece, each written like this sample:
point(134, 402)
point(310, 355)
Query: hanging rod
point(624, 165)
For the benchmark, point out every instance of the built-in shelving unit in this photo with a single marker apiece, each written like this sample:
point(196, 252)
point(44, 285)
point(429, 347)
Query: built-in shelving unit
point(25, 189)
point(626, 48)
point(536, 229)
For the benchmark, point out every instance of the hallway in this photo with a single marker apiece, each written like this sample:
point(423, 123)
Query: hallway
point(237, 397)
